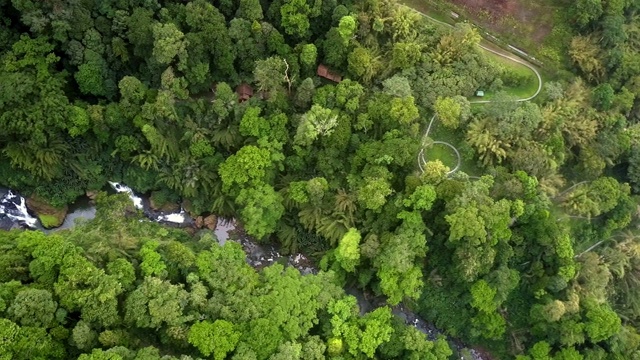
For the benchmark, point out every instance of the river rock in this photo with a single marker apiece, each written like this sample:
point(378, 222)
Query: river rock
point(188, 207)
point(199, 222)
point(210, 222)
point(92, 194)
point(166, 207)
point(50, 216)
point(7, 224)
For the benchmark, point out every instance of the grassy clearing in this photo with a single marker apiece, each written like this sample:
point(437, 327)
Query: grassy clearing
point(540, 28)
point(442, 153)
point(468, 164)
point(528, 87)
point(48, 221)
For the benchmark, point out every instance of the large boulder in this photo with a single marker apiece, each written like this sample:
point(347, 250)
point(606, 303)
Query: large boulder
point(92, 194)
point(49, 215)
point(210, 222)
point(156, 204)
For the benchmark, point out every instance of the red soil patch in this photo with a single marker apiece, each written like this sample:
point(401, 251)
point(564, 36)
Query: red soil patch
point(531, 19)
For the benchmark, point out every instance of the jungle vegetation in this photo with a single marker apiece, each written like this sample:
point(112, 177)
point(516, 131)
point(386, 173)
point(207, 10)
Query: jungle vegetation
point(143, 92)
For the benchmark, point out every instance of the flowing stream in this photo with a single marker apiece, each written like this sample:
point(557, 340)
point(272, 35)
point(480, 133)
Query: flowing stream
point(14, 214)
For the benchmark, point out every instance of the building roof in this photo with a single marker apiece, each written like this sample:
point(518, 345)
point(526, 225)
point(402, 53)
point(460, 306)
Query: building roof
point(244, 91)
point(480, 93)
point(325, 72)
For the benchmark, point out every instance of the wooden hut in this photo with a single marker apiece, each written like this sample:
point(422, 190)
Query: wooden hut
point(325, 72)
point(244, 91)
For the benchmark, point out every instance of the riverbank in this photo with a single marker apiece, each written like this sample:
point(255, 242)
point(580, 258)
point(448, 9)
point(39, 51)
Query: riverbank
point(257, 255)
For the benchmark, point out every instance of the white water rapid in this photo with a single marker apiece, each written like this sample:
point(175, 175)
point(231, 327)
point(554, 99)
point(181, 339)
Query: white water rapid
point(121, 188)
point(14, 207)
point(176, 218)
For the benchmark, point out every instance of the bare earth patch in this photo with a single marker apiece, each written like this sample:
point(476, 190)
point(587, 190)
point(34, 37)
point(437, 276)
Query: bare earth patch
point(525, 19)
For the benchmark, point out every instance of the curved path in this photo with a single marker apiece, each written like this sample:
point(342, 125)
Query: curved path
point(421, 158)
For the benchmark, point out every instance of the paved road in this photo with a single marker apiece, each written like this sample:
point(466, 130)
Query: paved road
point(499, 53)
point(421, 158)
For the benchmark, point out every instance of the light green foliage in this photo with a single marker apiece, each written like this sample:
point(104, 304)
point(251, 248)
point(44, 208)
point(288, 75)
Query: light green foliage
point(252, 124)
point(568, 354)
point(152, 264)
point(348, 252)
point(143, 93)
point(434, 172)
point(8, 332)
point(377, 330)
point(314, 348)
point(270, 74)
point(155, 303)
point(403, 110)
point(448, 111)
point(247, 167)
point(422, 198)
point(93, 75)
point(218, 338)
point(168, 42)
point(288, 351)
point(483, 296)
point(298, 192)
point(79, 121)
point(295, 17)
point(595, 198)
point(540, 351)
point(363, 64)
point(262, 208)
point(373, 192)
point(396, 266)
point(316, 122)
point(308, 55)
point(82, 286)
point(348, 94)
point(405, 54)
point(602, 323)
point(346, 27)
point(33, 307)
point(362, 336)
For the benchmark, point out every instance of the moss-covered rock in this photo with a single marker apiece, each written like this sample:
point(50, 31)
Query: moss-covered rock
point(163, 201)
point(50, 216)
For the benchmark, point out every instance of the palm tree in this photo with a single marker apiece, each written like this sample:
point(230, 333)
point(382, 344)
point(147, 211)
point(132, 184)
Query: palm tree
point(333, 227)
point(345, 203)
point(42, 161)
point(147, 160)
point(490, 148)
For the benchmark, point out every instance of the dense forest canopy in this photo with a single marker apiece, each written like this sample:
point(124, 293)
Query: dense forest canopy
point(305, 120)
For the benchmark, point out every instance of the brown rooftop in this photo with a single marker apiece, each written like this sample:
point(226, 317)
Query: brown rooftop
point(325, 72)
point(244, 91)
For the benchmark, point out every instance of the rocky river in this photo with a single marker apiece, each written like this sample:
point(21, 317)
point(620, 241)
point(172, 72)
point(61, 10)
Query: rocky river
point(14, 213)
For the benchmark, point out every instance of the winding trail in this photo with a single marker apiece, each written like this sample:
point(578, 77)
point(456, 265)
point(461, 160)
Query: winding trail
point(421, 155)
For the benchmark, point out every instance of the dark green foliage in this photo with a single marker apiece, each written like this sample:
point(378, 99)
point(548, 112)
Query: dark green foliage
point(528, 248)
point(268, 313)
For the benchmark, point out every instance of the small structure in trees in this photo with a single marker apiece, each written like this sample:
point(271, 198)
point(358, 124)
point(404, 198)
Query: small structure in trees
point(479, 93)
point(325, 72)
point(244, 91)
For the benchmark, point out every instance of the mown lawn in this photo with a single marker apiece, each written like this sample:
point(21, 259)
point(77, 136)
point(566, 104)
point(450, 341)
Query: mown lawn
point(443, 153)
point(456, 138)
